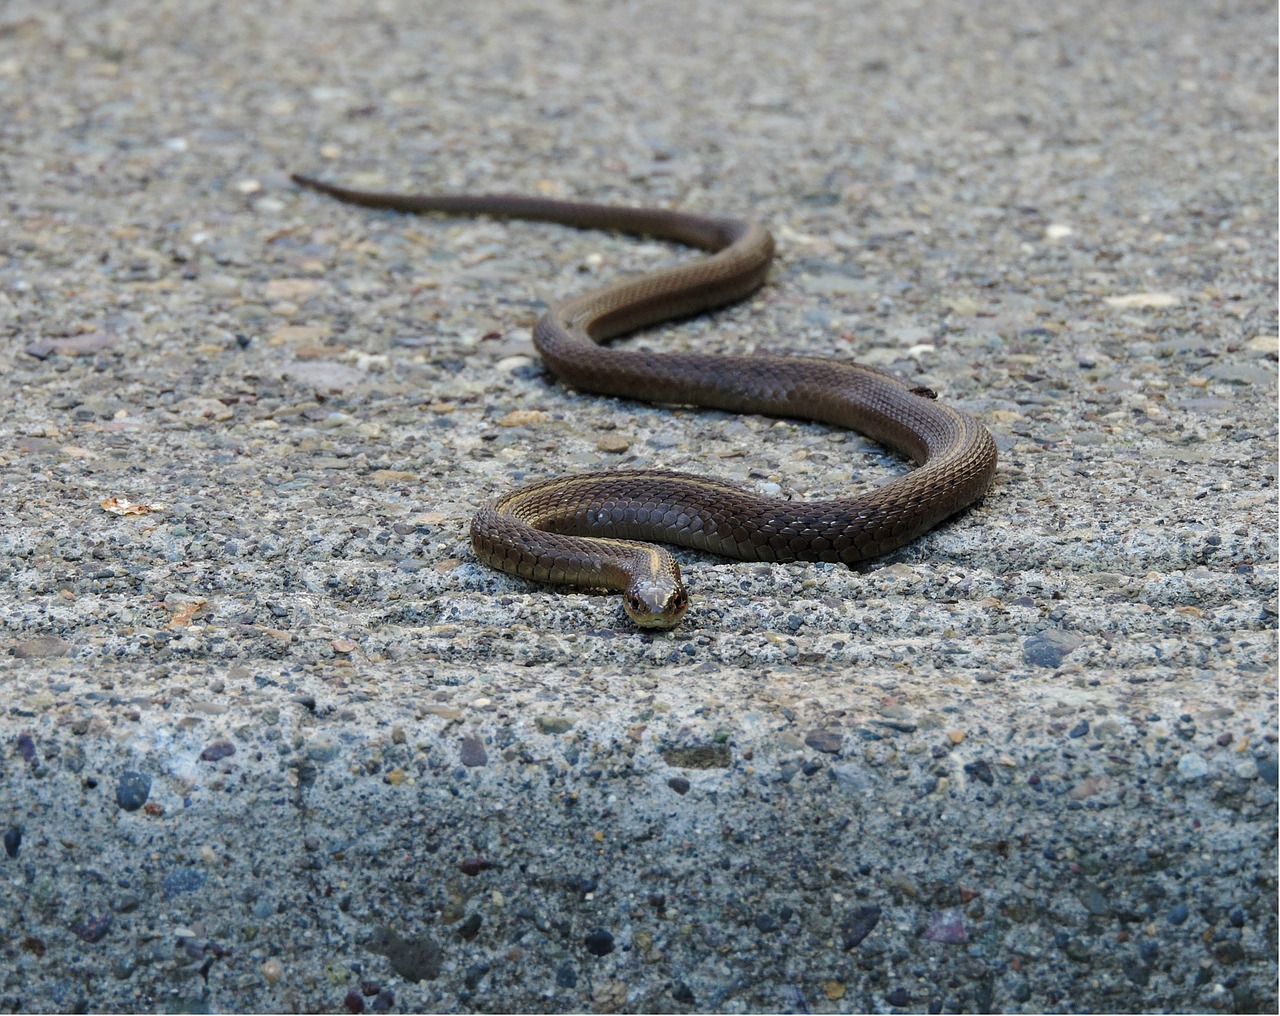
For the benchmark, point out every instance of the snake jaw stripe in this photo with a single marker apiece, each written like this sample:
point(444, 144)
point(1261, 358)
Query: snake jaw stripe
point(591, 530)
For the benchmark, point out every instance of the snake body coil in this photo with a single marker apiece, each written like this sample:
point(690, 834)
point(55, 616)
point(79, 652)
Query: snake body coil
point(583, 530)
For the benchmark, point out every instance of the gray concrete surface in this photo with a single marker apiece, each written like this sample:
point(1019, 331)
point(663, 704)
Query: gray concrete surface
point(283, 745)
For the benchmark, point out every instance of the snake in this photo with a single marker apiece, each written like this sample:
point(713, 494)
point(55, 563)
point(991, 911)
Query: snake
point(600, 530)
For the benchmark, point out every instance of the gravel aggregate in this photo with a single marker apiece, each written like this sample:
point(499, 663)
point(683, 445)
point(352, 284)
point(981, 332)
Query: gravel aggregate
point(273, 740)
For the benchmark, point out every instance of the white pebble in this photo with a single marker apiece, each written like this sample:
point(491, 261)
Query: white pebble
point(1191, 766)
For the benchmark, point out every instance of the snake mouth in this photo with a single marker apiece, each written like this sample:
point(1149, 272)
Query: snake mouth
point(652, 605)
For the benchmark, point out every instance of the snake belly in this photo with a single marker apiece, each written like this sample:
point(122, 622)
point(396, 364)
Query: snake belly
point(594, 530)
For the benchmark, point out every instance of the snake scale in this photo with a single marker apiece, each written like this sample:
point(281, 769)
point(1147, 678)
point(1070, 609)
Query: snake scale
point(586, 530)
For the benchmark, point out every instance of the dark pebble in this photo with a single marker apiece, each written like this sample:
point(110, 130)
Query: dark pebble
point(218, 750)
point(898, 997)
point(1268, 771)
point(354, 1001)
point(183, 880)
point(681, 993)
point(1228, 953)
point(1050, 648)
point(699, 756)
point(679, 784)
point(599, 942)
point(470, 928)
point(13, 840)
point(1138, 973)
point(1079, 730)
point(859, 925)
point(91, 929)
point(472, 752)
point(566, 976)
point(582, 883)
point(768, 923)
point(132, 790)
point(980, 771)
point(1179, 914)
point(370, 987)
point(1236, 917)
point(473, 865)
point(26, 748)
point(414, 959)
point(385, 1000)
point(825, 740)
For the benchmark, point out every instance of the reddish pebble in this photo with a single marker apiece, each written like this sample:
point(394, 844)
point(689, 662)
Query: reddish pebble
point(473, 865)
point(354, 1001)
point(947, 926)
point(218, 750)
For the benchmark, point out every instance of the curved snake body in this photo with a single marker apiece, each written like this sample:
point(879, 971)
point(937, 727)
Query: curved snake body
point(586, 530)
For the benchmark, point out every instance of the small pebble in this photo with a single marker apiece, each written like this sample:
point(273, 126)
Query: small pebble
point(947, 926)
point(92, 928)
point(472, 752)
point(469, 928)
point(599, 942)
point(980, 770)
point(825, 740)
point(1050, 648)
point(183, 880)
point(132, 790)
point(1192, 767)
point(566, 976)
point(858, 925)
point(218, 750)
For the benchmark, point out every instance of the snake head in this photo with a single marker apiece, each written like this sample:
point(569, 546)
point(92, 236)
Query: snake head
point(655, 604)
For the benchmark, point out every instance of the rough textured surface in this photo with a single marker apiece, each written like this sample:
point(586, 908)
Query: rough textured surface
point(284, 745)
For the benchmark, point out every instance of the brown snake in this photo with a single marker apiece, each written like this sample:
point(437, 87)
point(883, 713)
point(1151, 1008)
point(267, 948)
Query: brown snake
point(581, 530)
